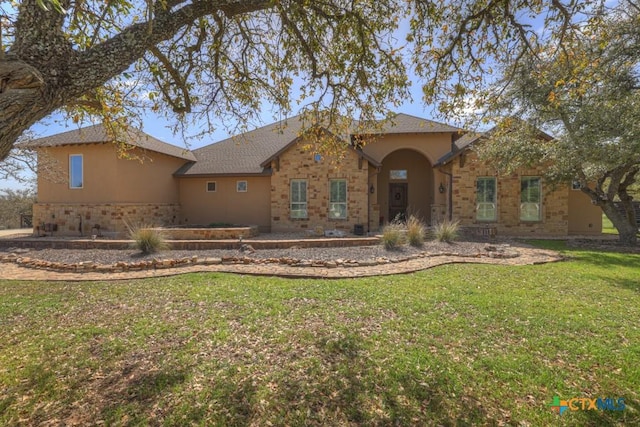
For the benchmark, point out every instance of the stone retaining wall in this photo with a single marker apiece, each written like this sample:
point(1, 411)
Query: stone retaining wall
point(209, 233)
point(52, 243)
point(118, 267)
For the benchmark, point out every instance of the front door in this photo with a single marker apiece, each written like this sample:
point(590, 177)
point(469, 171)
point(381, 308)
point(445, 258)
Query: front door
point(398, 200)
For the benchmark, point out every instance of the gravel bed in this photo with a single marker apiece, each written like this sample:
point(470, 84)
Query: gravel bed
point(359, 253)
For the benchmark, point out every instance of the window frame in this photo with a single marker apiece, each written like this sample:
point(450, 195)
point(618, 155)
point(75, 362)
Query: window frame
point(246, 186)
point(333, 203)
point(494, 202)
point(304, 210)
point(524, 203)
point(215, 186)
point(71, 173)
point(398, 174)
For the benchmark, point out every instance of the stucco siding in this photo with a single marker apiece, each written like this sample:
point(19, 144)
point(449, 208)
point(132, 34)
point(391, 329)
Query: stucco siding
point(415, 153)
point(584, 216)
point(226, 204)
point(108, 178)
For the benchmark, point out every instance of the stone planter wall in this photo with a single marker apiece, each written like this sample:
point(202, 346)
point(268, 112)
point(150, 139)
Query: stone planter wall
point(209, 233)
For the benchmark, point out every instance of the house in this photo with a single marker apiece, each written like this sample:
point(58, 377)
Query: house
point(270, 178)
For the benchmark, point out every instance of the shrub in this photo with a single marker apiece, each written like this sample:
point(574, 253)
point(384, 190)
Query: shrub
point(393, 235)
point(415, 231)
point(147, 240)
point(446, 231)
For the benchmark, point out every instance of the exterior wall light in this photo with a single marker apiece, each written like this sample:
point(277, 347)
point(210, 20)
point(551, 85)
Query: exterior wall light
point(441, 188)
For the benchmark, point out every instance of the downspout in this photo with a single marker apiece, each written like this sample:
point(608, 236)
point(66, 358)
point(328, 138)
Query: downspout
point(369, 194)
point(449, 195)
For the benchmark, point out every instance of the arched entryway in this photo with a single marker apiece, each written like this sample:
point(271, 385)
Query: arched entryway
point(405, 186)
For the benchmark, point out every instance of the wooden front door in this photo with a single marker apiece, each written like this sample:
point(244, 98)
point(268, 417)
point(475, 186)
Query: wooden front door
point(398, 200)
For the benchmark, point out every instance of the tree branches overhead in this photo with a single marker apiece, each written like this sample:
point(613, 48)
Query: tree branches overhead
point(224, 60)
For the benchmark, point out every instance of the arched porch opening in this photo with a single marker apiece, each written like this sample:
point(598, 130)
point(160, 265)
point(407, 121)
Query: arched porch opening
point(405, 186)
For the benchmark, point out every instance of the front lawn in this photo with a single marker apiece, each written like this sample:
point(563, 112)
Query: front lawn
point(455, 345)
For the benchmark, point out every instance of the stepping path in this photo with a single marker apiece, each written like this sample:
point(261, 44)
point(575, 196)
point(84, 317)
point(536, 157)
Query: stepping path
point(528, 256)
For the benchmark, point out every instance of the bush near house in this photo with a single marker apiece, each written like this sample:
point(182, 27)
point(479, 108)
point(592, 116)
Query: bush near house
point(146, 239)
point(394, 235)
point(416, 231)
point(447, 231)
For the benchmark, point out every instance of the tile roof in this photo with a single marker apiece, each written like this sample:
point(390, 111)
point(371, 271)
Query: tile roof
point(97, 134)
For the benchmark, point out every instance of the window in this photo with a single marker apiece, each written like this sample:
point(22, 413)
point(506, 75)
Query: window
point(298, 198)
point(211, 187)
point(75, 171)
point(530, 199)
point(241, 186)
point(576, 185)
point(486, 199)
point(398, 174)
point(338, 199)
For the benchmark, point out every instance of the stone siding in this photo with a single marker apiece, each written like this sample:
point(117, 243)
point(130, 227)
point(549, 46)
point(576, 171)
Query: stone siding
point(555, 202)
point(203, 233)
point(110, 217)
point(298, 163)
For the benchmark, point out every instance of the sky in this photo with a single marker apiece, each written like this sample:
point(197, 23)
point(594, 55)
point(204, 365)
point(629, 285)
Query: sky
point(157, 126)
point(161, 128)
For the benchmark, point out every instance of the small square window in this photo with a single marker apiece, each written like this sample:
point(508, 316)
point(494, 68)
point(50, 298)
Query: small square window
point(576, 185)
point(211, 187)
point(317, 158)
point(241, 186)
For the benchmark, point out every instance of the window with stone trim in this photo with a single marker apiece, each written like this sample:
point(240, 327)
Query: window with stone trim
point(486, 208)
point(76, 171)
point(298, 198)
point(338, 199)
point(530, 198)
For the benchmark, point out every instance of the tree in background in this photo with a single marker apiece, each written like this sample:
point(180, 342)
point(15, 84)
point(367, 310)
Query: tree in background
point(218, 61)
point(584, 90)
point(13, 204)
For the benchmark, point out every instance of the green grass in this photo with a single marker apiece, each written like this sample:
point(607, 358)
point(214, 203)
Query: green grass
point(455, 345)
point(607, 226)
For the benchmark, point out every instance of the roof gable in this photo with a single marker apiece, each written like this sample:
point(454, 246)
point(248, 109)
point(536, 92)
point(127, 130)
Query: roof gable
point(97, 134)
point(466, 141)
point(405, 123)
point(350, 147)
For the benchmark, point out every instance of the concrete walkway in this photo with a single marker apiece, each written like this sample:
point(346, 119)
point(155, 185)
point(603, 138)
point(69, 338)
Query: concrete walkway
point(16, 232)
point(528, 256)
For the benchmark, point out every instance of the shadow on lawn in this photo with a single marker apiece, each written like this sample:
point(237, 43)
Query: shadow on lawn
point(607, 262)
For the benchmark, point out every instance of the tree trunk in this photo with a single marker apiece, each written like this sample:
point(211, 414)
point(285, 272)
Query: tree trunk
point(42, 71)
point(627, 231)
point(23, 101)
